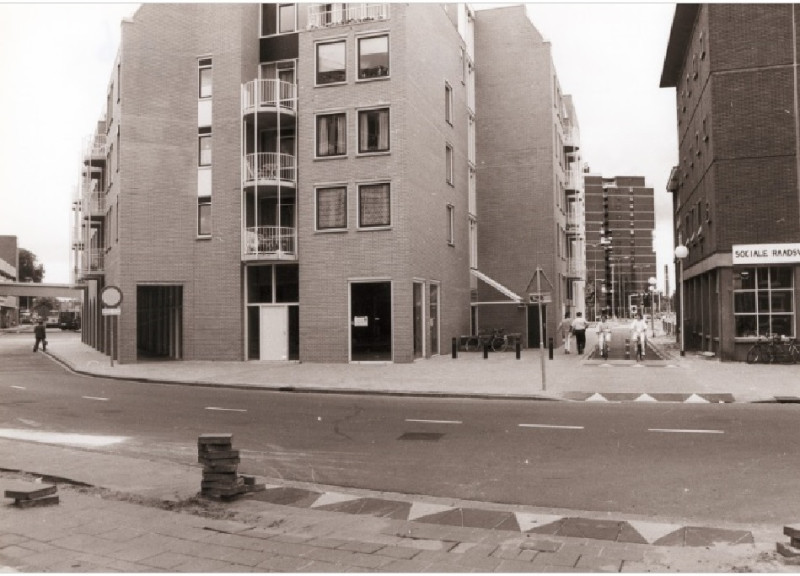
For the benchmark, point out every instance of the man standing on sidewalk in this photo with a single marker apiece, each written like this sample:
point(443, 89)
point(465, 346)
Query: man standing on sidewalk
point(40, 334)
point(566, 331)
point(579, 329)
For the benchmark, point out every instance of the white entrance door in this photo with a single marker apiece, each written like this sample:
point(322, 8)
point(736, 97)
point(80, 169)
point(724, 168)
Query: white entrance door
point(274, 332)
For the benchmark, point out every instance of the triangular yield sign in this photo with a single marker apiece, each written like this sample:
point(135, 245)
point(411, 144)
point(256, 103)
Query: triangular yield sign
point(695, 399)
point(596, 397)
point(645, 398)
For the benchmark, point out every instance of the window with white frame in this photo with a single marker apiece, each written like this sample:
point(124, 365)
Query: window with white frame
point(331, 62)
point(763, 301)
point(204, 216)
point(373, 57)
point(331, 135)
point(204, 146)
point(373, 130)
point(451, 224)
point(448, 160)
point(332, 208)
point(448, 103)
point(374, 205)
point(204, 78)
point(278, 19)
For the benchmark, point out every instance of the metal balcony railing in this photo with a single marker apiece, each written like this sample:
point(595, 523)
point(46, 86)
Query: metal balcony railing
point(96, 148)
point(271, 241)
point(92, 261)
point(94, 201)
point(270, 167)
point(576, 269)
point(328, 15)
point(269, 94)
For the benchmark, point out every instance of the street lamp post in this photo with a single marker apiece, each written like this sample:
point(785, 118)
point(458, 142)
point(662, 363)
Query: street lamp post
point(652, 282)
point(681, 252)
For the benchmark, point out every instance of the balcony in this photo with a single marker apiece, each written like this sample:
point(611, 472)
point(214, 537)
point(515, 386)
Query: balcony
point(269, 96)
point(574, 223)
point(270, 243)
point(330, 15)
point(92, 262)
point(94, 201)
point(269, 169)
point(576, 269)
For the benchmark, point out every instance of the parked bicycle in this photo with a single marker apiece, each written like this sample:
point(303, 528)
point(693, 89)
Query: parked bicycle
point(774, 348)
point(497, 340)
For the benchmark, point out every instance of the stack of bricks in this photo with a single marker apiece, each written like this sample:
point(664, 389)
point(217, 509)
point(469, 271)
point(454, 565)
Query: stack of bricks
point(220, 462)
point(29, 495)
point(791, 552)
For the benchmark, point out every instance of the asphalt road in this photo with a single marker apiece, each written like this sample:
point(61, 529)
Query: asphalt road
point(723, 462)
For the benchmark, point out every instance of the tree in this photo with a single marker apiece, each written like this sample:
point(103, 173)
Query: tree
point(29, 268)
point(44, 305)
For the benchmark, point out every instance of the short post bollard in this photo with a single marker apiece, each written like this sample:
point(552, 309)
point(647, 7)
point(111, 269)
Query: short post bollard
point(485, 351)
point(627, 348)
point(517, 347)
point(550, 347)
point(455, 348)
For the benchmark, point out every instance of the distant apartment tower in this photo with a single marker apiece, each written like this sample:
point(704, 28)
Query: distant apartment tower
point(736, 189)
point(620, 259)
point(530, 191)
point(297, 182)
point(9, 272)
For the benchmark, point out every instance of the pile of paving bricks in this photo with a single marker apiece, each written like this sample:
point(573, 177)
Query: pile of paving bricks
point(220, 461)
point(30, 494)
point(791, 551)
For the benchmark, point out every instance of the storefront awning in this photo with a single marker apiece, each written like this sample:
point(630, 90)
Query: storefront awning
point(515, 299)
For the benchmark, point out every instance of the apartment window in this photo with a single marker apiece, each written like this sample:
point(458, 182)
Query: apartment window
point(278, 19)
point(451, 224)
point(119, 82)
point(331, 135)
point(331, 208)
point(204, 216)
point(373, 57)
point(448, 103)
point(287, 18)
point(331, 67)
point(763, 302)
point(116, 160)
point(204, 78)
point(204, 147)
point(374, 205)
point(373, 130)
point(448, 160)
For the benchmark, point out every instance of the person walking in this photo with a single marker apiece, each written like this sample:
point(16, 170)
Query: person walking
point(40, 334)
point(579, 326)
point(566, 331)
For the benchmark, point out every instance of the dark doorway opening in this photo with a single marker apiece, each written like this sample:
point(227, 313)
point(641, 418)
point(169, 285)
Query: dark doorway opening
point(533, 325)
point(159, 322)
point(371, 321)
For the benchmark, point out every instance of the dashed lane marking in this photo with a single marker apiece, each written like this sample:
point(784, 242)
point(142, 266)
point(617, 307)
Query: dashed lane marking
point(555, 426)
point(98, 398)
point(218, 409)
point(19, 387)
point(435, 421)
point(685, 431)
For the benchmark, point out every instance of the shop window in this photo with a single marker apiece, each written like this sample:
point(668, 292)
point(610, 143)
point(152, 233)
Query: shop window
point(332, 208)
point(764, 302)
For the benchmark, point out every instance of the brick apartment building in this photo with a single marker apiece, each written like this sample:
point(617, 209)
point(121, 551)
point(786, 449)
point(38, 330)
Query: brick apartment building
point(736, 190)
point(9, 272)
point(529, 179)
point(620, 225)
point(286, 182)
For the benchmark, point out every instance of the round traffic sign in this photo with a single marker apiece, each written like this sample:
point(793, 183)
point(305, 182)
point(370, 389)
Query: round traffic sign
point(111, 296)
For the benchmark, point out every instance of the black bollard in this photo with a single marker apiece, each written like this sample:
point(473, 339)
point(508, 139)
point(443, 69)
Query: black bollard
point(518, 347)
point(627, 349)
point(485, 351)
point(455, 348)
point(550, 347)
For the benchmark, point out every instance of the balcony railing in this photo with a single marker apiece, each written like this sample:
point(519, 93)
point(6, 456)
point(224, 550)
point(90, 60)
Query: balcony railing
point(94, 201)
point(327, 15)
point(92, 261)
point(574, 222)
point(271, 242)
point(270, 167)
point(269, 94)
point(576, 269)
point(96, 148)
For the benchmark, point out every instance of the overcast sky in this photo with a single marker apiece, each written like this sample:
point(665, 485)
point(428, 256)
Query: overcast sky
point(56, 59)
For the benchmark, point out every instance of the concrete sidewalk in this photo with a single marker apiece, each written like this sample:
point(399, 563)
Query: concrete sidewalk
point(692, 378)
point(128, 514)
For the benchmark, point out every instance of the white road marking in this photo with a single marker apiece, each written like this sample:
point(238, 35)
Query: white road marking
point(435, 421)
point(95, 398)
point(685, 431)
point(88, 440)
point(19, 387)
point(550, 426)
point(225, 409)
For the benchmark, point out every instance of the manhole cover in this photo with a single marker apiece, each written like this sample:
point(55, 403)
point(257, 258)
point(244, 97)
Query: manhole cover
point(426, 436)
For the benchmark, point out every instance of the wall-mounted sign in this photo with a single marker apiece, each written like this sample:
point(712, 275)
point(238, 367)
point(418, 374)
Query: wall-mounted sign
point(766, 253)
point(361, 321)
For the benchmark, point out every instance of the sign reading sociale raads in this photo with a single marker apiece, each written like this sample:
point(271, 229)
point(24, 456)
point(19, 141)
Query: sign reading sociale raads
point(766, 253)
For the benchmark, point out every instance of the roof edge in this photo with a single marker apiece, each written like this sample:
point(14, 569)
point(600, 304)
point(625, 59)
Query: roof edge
point(682, 26)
